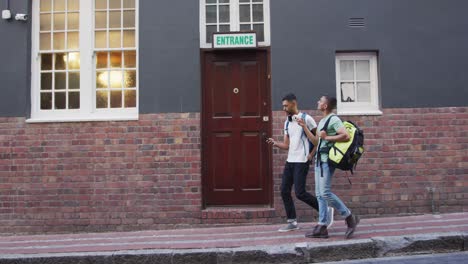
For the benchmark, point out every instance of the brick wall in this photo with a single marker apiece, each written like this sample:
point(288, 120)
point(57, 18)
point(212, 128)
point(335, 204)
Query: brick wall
point(146, 174)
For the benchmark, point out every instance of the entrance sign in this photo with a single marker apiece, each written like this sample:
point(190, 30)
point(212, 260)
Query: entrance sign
point(235, 40)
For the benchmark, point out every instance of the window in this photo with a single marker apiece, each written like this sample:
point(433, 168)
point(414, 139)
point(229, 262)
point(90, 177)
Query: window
point(84, 60)
point(233, 16)
point(357, 83)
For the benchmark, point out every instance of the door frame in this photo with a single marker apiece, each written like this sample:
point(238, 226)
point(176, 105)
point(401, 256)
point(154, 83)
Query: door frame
point(269, 184)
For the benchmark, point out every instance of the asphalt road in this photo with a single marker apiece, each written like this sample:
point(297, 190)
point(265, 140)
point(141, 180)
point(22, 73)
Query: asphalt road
point(451, 258)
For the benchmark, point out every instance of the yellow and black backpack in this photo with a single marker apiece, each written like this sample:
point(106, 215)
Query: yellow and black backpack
point(345, 155)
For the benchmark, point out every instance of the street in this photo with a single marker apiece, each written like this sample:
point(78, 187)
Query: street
point(450, 258)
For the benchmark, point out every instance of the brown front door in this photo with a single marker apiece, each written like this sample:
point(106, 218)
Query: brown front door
point(236, 120)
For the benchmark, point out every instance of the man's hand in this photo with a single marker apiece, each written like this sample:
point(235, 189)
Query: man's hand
point(323, 134)
point(302, 123)
point(271, 141)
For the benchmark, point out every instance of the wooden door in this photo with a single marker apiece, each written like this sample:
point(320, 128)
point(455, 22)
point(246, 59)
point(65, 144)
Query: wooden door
point(236, 117)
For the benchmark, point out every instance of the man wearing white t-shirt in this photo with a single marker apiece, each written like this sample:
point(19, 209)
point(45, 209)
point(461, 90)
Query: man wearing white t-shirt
point(297, 165)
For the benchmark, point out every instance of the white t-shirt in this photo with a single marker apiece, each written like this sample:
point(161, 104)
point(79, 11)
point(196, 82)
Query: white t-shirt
point(298, 142)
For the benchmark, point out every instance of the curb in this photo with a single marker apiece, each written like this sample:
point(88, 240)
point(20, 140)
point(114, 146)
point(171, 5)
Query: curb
point(310, 252)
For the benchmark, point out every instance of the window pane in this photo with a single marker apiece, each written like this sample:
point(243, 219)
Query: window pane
point(209, 33)
point(347, 70)
point(73, 21)
point(347, 92)
point(73, 40)
point(245, 27)
point(224, 14)
point(130, 79)
point(45, 41)
point(114, 19)
point(101, 60)
point(363, 92)
point(116, 59)
point(129, 38)
point(130, 59)
point(60, 81)
point(101, 39)
point(244, 1)
point(46, 62)
point(211, 1)
point(60, 59)
point(115, 79)
point(363, 70)
point(46, 101)
point(101, 4)
point(73, 5)
point(74, 60)
point(73, 100)
point(45, 23)
point(130, 98)
point(59, 5)
point(46, 5)
point(59, 21)
point(114, 4)
point(223, 1)
point(244, 13)
point(129, 3)
point(102, 79)
point(211, 14)
point(260, 32)
point(46, 81)
point(116, 99)
point(100, 20)
point(101, 99)
point(60, 100)
point(257, 13)
point(59, 41)
point(114, 39)
point(129, 19)
point(224, 28)
point(74, 80)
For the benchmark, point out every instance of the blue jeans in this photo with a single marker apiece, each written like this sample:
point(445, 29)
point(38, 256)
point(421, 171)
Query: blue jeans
point(324, 194)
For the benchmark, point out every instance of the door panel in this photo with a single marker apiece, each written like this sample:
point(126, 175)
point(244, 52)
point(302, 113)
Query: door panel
point(236, 158)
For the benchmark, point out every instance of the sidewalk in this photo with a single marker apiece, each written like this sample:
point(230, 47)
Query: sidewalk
point(245, 244)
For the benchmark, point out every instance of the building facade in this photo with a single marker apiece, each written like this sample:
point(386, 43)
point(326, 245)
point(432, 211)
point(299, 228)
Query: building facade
point(139, 114)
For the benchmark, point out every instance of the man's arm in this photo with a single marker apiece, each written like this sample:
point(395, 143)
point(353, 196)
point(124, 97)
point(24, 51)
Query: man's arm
point(342, 135)
point(281, 145)
point(310, 136)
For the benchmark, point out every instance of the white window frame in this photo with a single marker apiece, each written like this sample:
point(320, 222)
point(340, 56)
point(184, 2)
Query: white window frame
point(359, 108)
point(88, 110)
point(235, 22)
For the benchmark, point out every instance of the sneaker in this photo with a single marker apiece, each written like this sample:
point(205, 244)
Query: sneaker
point(320, 231)
point(351, 221)
point(331, 212)
point(291, 226)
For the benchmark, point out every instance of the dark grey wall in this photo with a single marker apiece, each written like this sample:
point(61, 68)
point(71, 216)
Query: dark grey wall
point(169, 56)
point(15, 58)
point(422, 47)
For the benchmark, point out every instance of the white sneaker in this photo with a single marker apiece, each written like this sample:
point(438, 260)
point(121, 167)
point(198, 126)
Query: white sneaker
point(291, 226)
point(330, 213)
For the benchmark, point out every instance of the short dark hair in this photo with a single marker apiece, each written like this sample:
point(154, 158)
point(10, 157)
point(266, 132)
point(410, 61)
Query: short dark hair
point(289, 97)
point(331, 102)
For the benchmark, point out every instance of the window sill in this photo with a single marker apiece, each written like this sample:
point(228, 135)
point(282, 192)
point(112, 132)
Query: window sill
point(82, 119)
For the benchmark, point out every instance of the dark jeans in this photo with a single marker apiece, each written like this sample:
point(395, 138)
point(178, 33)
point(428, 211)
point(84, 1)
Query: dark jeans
point(296, 173)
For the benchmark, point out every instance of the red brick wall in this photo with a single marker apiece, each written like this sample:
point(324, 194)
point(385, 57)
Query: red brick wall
point(146, 174)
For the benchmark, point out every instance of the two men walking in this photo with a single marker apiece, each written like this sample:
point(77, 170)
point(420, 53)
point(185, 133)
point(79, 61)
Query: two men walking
point(299, 129)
